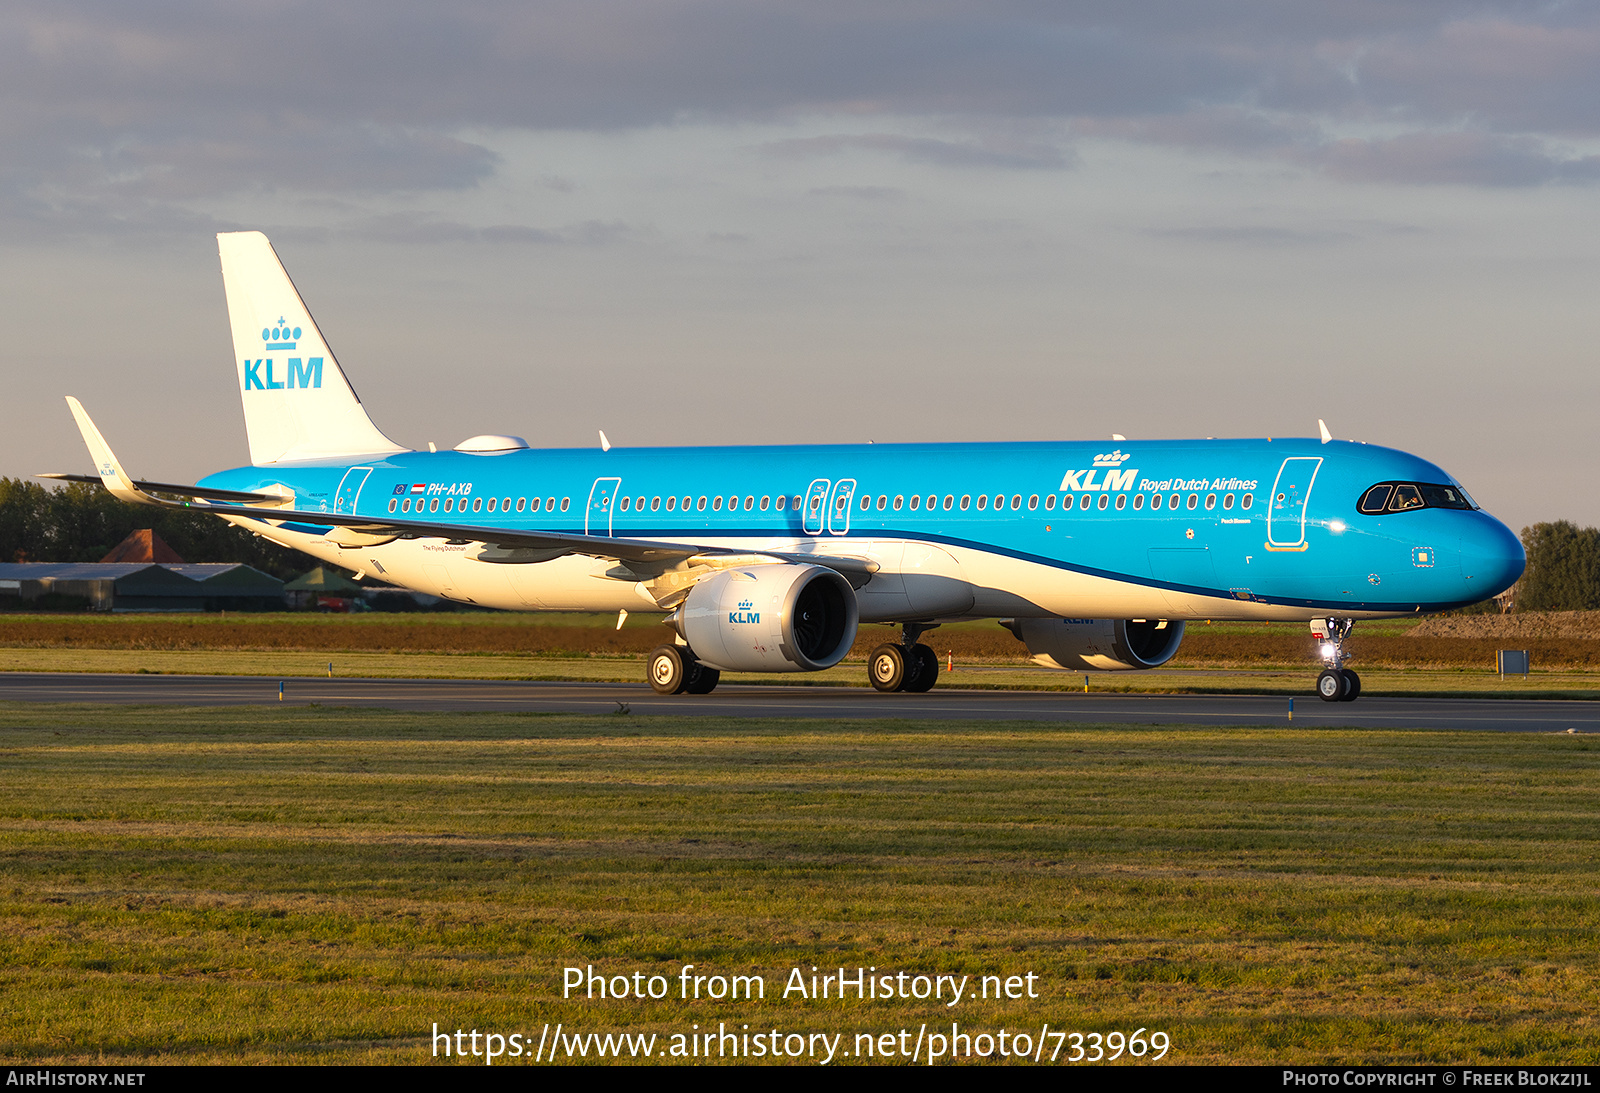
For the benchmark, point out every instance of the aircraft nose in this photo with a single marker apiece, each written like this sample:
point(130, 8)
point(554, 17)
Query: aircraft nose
point(1491, 556)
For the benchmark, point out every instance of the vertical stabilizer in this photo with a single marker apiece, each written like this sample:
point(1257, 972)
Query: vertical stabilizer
point(297, 402)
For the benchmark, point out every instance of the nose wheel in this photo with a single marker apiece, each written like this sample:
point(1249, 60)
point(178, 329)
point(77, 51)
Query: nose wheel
point(1336, 683)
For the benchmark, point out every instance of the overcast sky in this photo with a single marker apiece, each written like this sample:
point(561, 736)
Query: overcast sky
point(743, 223)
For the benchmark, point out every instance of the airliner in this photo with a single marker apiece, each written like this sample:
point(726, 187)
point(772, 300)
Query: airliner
point(768, 559)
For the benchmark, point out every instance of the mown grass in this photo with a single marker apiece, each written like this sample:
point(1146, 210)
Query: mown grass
point(323, 885)
point(623, 668)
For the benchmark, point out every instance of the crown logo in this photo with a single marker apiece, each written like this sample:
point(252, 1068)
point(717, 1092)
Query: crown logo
point(1112, 459)
point(746, 605)
point(282, 336)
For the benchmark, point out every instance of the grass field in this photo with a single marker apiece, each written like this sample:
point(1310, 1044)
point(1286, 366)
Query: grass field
point(275, 885)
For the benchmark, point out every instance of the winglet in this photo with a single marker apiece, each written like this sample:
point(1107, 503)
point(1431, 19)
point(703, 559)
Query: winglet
point(112, 476)
point(1323, 428)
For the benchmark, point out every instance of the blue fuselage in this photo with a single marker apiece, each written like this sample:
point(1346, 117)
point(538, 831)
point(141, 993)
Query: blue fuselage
point(1258, 524)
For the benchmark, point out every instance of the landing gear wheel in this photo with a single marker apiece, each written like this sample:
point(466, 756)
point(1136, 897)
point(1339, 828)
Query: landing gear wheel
point(1331, 685)
point(668, 670)
point(886, 667)
point(702, 680)
point(1353, 685)
point(922, 669)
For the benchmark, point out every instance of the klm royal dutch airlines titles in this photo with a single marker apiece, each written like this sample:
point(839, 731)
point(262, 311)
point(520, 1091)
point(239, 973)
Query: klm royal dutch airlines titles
point(769, 559)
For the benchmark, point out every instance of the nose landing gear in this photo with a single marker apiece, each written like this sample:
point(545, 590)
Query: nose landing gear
point(1336, 683)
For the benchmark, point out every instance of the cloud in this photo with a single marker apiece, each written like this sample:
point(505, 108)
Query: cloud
point(992, 152)
point(130, 113)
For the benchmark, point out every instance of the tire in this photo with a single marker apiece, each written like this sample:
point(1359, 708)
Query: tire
point(886, 667)
point(667, 670)
point(1331, 686)
point(702, 680)
point(1353, 690)
point(922, 669)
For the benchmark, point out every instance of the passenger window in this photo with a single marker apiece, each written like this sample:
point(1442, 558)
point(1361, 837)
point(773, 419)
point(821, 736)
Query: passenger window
point(750, 504)
point(550, 504)
point(433, 506)
point(1211, 501)
point(625, 502)
point(655, 504)
point(1016, 502)
point(393, 504)
point(520, 503)
point(716, 503)
point(1122, 501)
point(766, 499)
point(1375, 500)
point(783, 499)
point(733, 503)
point(638, 505)
point(899, 500)
point(1172, 502)
point(1049, 502)
point(449, 504)
point(916, 501)
point(866, 502)
point(1104, 500)
point(883, 501)
point(1155, 501)
point(933, 501)
point(983, 501)
point(1138, 502)
point(700, 505)
point(672, 504)
point(1084, 501)
point(564, 503)
point(1227, 501)
point(405, 506)
point(492, 503)
point(966, 500)
point(949, 501)
point(477, 504)
point(1194, 499)
point(688, 503)
point(505, 505)
point(1247, 500)
point(1406, 496)
point(1033, 502)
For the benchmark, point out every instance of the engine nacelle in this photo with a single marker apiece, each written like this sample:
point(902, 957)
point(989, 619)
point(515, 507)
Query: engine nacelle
point(770, 618)
point(1099, 645)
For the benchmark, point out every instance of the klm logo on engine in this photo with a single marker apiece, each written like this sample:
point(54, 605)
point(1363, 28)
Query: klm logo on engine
point(299, 373)
point(745, 612)
point(1108, 468)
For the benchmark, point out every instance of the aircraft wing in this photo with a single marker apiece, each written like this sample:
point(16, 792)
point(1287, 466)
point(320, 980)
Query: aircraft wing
point(644, 558)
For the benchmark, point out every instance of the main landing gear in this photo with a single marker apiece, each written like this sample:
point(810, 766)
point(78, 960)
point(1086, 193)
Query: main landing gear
point(904, 665)
point(674, 670)
point(1336, 683)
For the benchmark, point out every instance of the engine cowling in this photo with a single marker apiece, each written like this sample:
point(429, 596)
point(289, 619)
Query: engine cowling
point(770, 618)
point(1099, 645)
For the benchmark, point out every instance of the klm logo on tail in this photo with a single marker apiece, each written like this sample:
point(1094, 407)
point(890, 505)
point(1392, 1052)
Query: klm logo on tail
point(302, 374)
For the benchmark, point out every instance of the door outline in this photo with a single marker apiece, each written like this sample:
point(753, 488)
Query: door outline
point(349, 493)
point(1290, 514)
point(839, 506)
point(812, 517)
point(602, 504)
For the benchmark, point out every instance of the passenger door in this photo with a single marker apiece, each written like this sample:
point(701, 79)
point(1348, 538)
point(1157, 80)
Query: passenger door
point(602, 503)
point(1286, 508)
point(813, 516)
point(350, 489)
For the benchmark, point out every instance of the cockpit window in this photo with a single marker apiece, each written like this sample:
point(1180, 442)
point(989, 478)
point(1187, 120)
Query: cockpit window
point(1376, 499)
point(1405, 496)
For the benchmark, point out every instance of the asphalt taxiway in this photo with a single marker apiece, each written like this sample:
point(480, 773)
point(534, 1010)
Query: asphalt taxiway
point(733, 700)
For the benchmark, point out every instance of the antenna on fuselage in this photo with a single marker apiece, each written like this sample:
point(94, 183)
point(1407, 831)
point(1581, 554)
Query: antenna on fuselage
point(1323, 428)
point(1118, 436)
point(605, 445)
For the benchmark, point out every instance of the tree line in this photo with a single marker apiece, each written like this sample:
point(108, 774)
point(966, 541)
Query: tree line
point(1563, 572)
point(80, 522)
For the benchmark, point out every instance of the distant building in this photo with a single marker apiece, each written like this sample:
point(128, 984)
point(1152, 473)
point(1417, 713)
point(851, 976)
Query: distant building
point(143, 586)
point(143, 545)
